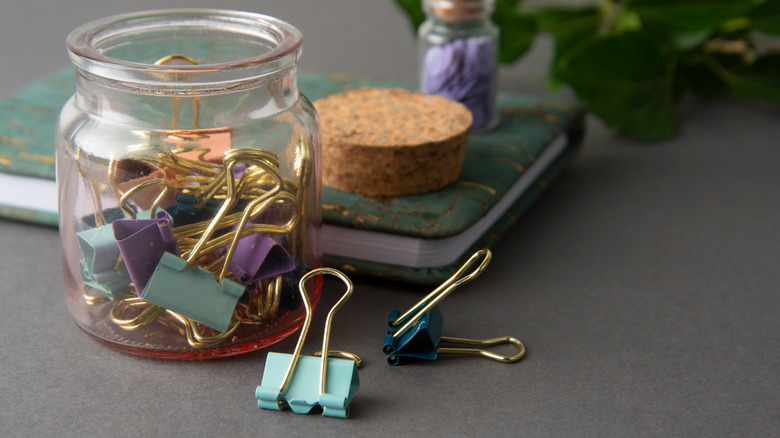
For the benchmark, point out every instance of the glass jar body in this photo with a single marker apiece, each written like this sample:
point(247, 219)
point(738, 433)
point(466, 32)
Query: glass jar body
point(189, 184)
point(458, 57)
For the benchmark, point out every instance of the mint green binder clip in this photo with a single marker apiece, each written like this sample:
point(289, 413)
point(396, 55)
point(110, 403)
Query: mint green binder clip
point(192, 292)
point(302, 382)
point(101, 266)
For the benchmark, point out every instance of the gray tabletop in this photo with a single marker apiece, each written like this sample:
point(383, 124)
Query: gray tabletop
point(645, 285)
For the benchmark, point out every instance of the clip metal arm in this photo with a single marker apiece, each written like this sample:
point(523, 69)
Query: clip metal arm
point(411, 316)
point(305, 329)
point(309, 381)
point(125, 198)
point(417, 333)
point(483, 343)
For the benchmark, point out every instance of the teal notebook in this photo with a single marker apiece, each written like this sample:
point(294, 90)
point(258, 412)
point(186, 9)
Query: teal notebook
point(417, 238)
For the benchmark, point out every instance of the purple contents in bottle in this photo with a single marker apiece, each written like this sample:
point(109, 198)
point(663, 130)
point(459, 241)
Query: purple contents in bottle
point(463, 70)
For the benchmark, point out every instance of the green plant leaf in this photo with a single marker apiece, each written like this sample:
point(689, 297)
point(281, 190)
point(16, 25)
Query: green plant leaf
point(691, 15)
point(569, 27)
point(696, 75)
point(561, 21)
point(688, 40)
point(627, 80)
point(760, 80)
point(413, 9)
point(516, 30)
point(766, 17)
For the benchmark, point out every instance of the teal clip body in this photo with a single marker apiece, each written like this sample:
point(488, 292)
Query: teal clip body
point(192, 292)
point(420, 341)
point(302, 382)
point(303, 392)
point(101, 267)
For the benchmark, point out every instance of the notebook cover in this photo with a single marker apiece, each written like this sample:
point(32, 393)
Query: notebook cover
point(437, 275)
point(27, 120)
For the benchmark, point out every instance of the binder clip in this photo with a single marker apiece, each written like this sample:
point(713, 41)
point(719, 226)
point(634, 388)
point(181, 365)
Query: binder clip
point(417, 333)
point(101, 266)
point(258, 256)
point(193, 292)
point(302, 382)
point(142, 242)
point(267, 162)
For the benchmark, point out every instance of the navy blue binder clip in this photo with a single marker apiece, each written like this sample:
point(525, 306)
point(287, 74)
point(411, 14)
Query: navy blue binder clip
point(417, 333)
point(302, 382)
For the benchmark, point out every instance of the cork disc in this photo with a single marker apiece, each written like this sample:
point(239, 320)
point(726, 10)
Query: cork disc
point(388, 142)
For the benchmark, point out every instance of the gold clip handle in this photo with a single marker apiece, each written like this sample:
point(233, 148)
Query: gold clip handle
point(483, 343)
point(253, 156)
point(195, 338)
point(459, 278)
point(307, 322)
point(339, 354)
point(128, 194)
point(148, 313)
point(254, 208)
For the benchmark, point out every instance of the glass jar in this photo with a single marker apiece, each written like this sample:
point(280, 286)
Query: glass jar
point(458, 56)
point(189, 183)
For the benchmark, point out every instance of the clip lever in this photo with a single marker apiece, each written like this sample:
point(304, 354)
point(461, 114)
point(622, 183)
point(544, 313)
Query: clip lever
point(417, 333)
point(302, 382)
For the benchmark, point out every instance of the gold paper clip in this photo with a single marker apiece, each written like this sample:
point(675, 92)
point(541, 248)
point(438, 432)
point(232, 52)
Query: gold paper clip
point(417, 333)
point(148, 312)
point(253, 156)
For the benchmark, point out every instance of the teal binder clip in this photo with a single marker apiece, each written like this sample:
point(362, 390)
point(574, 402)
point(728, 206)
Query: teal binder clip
point(302, 382)
point(192, 292)
point(101, 266)
point(417, 333)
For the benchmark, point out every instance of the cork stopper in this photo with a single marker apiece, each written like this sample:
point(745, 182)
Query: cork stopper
point(388, 142)
point(453, 11)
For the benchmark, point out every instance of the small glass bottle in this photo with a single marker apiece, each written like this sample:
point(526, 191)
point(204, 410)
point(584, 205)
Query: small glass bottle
point(189, 183)
point(458, 56)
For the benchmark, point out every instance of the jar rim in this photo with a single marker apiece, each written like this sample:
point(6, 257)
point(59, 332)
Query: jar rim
point(87, 43)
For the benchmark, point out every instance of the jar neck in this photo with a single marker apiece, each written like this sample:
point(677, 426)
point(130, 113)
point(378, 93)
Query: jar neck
point(202, 110)
point(203, 62)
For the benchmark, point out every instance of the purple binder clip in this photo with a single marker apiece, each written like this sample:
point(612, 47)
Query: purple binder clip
point(142, 243)
point(258, 256)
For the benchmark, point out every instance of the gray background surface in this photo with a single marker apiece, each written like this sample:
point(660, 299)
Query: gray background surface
point(644, 283)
